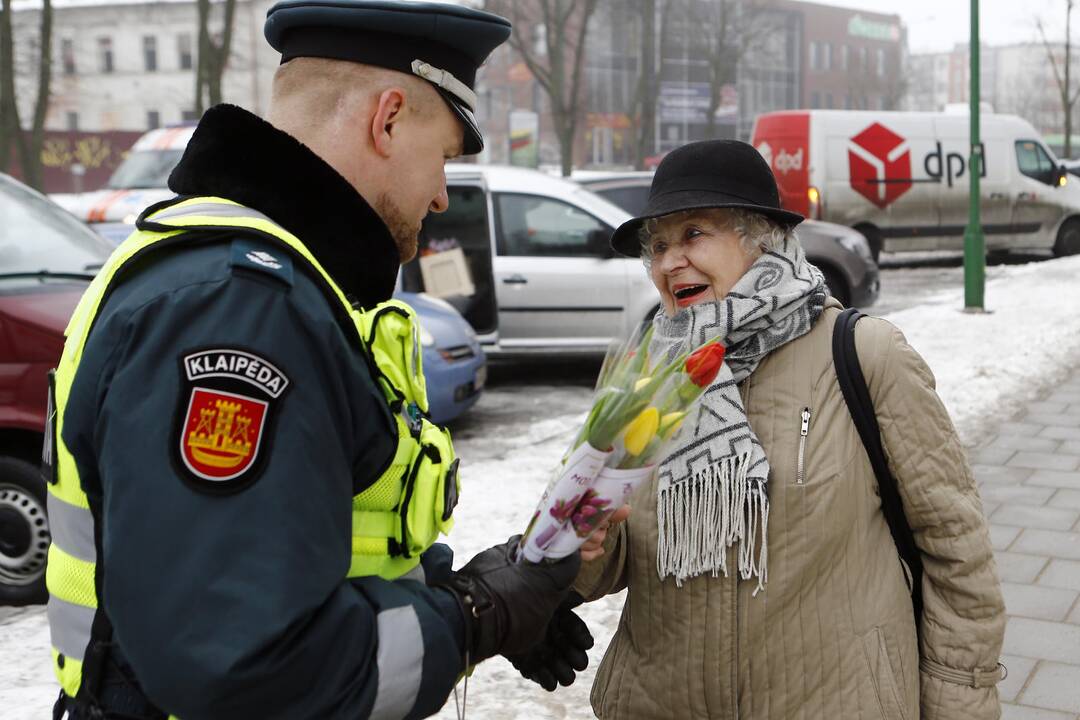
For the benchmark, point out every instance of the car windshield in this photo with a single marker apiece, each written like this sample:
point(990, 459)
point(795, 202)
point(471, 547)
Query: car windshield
point(603, 208)
point(631, 198)
point(36, 235)
point(145, 169)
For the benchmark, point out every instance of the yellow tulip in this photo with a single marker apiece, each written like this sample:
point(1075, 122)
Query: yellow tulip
point(641, 430)
point(642, 382)
point(670, 423)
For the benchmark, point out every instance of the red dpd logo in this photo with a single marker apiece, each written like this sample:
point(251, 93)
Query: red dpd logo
point(880, 165)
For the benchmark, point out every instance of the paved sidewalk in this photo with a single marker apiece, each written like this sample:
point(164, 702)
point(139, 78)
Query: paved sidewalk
point(1029, 478)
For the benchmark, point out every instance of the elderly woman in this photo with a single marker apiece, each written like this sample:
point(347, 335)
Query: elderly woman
point(763, 580)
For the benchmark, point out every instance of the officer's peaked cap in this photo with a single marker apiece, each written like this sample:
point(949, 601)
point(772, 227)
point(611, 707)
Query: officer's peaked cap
point(442, 43)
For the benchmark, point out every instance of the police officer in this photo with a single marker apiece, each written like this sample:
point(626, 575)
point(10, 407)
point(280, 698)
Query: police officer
point(244, 488)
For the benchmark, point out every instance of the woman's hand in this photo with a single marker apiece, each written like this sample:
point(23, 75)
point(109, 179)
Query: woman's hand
point(594, 546)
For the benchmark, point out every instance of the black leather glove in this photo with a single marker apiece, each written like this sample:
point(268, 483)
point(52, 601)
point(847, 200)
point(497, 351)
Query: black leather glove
point(554, 659)
point(507, 606)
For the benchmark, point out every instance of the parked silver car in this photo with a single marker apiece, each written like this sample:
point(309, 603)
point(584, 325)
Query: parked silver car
point(539, 274)
point(841, 253)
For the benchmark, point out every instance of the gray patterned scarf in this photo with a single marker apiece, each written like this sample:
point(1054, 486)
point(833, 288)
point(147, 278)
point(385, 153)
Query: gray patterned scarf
point(712, 490)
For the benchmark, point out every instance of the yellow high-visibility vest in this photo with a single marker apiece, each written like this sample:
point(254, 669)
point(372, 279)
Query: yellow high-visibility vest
point(395, 519)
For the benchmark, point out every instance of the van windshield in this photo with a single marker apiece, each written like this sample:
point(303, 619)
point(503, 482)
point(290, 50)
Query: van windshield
point(145, 169)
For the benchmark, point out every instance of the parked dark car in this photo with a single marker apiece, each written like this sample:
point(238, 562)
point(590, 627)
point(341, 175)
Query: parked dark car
point(841, 253)
point(47, 258)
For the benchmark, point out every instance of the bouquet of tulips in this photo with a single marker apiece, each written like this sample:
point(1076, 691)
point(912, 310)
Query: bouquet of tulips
point(639, 405)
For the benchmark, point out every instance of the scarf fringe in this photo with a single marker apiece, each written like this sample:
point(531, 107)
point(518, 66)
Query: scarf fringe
point(701, 518)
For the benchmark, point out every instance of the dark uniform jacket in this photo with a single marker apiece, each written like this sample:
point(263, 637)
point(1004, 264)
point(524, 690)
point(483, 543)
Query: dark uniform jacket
point(236, 603)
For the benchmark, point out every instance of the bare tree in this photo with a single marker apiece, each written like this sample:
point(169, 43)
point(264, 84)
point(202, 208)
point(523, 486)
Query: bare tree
point(728, 31)
point(643, 110)
point(213, 58)
point(892, 87)
point(11, 133)
point(555, 58)
point(1068, 97)
point(655, 18)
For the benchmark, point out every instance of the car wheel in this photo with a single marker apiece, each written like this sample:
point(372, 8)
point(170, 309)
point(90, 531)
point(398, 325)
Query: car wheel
point(873, 239)
point(1068, 238)
point(24, 533)
point(837, 287)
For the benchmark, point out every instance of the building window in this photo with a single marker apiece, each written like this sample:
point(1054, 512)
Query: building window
point(815, 59)
point(105, 54)
point(881, 62)
point(815, 100)
point(72, 121)
point(67, 55)
point(153, 119)
point(862, 58)
point(828, 101)
point(847, 102)
point(149, 51)
point(844, 52)
point(189, 116)
point(183, 50)
point(826, 56)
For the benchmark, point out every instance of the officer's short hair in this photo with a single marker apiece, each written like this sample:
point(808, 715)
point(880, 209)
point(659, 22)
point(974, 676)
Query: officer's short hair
point(324, 83)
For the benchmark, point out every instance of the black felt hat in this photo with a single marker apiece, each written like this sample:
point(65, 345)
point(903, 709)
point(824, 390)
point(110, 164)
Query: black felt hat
point(443, 44)
point(708, 174)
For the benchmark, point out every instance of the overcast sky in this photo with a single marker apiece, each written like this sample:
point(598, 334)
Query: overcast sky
point(935, 25)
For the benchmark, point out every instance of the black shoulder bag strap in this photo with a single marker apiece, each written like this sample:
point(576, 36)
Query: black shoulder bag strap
point(861, 407)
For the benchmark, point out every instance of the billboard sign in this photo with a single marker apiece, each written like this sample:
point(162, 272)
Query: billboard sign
point(524, 138)
point(684, 102)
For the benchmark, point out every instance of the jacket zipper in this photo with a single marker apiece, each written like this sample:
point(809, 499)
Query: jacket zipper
point(803, 431)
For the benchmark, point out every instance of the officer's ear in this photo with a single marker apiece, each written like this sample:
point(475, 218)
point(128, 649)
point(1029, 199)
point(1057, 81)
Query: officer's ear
point(387, 121)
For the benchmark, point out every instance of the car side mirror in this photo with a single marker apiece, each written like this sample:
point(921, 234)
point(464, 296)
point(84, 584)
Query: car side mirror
point(599, 243)
point(1061, 177)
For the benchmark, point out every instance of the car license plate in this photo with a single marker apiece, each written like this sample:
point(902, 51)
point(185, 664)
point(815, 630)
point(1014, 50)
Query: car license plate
point(480, 379)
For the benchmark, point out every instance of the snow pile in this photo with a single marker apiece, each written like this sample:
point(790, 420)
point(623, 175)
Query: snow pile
point(987, 367)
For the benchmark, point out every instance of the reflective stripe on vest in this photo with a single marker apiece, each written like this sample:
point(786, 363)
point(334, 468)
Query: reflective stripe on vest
point(394, 520)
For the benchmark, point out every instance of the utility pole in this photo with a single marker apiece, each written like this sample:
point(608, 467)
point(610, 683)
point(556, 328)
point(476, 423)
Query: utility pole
point(974, 245)
point(1068, 63)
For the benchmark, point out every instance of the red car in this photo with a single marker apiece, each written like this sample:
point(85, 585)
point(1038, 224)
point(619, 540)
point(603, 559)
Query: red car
point(47, 258)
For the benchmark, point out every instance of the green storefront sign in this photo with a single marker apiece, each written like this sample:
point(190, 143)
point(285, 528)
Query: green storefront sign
point(858, 26)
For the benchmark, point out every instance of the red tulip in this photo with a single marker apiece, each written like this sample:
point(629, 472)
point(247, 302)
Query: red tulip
point(703, 365)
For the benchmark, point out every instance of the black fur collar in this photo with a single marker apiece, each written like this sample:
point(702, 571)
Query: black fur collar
point(237, 155)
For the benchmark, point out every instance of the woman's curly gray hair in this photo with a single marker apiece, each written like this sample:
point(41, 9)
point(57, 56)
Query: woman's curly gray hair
point(757, 233)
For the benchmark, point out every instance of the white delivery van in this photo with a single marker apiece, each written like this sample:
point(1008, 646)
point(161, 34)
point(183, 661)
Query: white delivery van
point(901, 178)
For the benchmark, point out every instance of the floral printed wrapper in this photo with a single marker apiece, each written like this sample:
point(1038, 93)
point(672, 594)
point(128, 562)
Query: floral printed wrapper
point(610, 490)
point(560, 501)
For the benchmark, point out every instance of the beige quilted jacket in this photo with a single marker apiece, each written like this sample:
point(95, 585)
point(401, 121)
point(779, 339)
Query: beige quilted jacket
point(832, 637)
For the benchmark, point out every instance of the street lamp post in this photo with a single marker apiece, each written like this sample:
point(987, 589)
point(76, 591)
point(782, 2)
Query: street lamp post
point(974, 245)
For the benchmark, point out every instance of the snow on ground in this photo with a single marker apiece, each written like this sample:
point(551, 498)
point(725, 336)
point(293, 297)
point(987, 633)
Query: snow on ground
point(987, 367)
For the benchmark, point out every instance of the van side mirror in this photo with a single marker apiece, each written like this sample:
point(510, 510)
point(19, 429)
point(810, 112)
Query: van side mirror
point(599, 243)
point(1062, 176)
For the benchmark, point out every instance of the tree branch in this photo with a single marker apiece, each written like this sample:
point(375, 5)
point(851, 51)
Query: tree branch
point(9, 109)
point(579, 56)
point(1064, 91)
point(522, 47)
